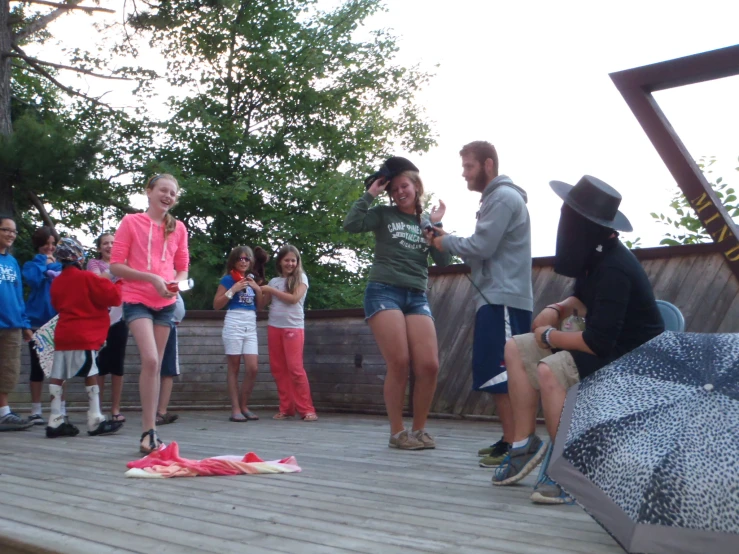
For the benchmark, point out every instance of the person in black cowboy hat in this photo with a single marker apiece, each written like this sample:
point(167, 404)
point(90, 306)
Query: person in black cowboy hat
point(395, 302)
point(613, 294)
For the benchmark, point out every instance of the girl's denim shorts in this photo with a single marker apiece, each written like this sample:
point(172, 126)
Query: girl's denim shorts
point(161, 316)
point(379, 296)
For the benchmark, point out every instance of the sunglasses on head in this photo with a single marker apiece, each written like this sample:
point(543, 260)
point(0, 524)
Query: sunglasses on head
point(244, 259)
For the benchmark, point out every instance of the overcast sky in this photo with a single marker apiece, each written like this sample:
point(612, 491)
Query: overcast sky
point(532, 78)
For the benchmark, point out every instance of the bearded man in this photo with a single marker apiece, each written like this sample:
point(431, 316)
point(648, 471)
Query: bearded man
point(499, 257)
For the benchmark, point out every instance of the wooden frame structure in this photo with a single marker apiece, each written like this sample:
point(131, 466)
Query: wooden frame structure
point(636, 86)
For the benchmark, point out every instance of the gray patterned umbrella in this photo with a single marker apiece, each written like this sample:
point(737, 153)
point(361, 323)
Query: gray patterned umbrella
point(649, 445)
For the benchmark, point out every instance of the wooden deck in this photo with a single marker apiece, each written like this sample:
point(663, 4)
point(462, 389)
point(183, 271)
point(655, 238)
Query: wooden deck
point(354, 494)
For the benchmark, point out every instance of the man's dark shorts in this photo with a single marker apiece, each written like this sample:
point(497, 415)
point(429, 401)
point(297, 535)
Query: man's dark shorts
point(494, 325)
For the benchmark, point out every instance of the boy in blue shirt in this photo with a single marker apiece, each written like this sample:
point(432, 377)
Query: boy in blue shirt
point(14, 325)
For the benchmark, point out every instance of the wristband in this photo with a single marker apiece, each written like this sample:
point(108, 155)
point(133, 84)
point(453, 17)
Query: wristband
point(439, 224)
point(553, 308)
point(545, 337)
point(229, 294)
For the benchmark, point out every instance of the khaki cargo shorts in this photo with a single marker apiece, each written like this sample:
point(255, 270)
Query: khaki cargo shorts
point(561, 363)
point(10, 359)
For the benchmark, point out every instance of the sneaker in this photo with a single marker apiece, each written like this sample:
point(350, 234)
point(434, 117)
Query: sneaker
point(14, 422)
point(497, 447)
point(66, 429)
point(425, 438)
point(405, 441)
point(519, 462)
point(547, 491)
point(496, 456)
point(36, 419)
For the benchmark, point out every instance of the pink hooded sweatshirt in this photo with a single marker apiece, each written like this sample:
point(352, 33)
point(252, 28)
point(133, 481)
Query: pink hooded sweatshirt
point(140, 244)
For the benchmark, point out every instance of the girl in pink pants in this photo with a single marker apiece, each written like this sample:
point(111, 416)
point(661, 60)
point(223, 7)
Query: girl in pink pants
point(285, 335)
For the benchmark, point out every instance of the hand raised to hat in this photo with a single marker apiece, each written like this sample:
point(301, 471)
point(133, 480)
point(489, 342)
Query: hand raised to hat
point(378, 186)
point(437, 212)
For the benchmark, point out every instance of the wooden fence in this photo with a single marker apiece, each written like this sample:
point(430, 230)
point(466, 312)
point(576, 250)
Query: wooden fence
point(346, 370)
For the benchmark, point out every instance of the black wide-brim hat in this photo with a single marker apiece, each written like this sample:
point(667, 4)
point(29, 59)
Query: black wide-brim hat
point(594, 199)
point(391, 168)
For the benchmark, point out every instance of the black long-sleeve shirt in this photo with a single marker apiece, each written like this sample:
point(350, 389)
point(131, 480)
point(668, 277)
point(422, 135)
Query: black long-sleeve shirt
point(621, 311)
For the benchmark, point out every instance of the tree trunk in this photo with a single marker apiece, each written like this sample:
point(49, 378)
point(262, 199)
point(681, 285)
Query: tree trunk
point(6, 126)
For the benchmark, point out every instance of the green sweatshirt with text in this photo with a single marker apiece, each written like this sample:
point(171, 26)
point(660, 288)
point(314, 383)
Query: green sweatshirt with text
point(401, 255)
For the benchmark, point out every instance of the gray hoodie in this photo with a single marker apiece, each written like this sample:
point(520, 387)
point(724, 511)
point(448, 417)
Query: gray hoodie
point(499, 252)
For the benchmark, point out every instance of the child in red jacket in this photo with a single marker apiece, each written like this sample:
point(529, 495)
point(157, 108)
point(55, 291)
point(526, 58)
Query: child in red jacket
point(82, 300)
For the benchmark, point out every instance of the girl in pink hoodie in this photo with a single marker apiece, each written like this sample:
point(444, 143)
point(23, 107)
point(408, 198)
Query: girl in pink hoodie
point(150, 252)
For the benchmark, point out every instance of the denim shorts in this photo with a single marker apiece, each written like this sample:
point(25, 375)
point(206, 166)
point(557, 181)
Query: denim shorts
point(379, 296)
point(160, 316)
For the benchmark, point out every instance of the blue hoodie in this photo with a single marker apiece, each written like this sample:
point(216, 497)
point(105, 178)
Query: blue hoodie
point(38, 305)
point(13, 312)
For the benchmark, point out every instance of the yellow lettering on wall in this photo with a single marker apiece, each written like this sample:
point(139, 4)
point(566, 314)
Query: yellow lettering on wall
point(731, 251)
point(714, 216)
point(723, 232)
point(701, 203)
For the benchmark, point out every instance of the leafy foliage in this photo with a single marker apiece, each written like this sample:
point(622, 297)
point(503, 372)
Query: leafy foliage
point(688, 228)
point(281, 111)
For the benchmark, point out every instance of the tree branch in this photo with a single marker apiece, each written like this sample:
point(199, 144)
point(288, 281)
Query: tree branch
point(41, 71)
point(36, 201)
point(124, 207)
point(68, 6)
point(21, 54)
point(42, 22)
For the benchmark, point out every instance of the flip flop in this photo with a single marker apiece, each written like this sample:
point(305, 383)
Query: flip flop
point(251, 416)
point(120, 418)
point(310, 417)
point(237, 420)
point(105, 428)
point(281, 415)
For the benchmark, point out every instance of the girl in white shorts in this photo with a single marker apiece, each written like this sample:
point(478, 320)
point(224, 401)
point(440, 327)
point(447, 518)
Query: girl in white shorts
point(243, 296)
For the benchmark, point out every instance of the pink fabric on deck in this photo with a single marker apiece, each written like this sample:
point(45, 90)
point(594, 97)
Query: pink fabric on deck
point(166, 462)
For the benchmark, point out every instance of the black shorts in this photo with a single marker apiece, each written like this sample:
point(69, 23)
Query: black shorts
point(113, 354)
point(37, 374)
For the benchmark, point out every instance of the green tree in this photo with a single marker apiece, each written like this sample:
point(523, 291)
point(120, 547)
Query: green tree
point(685, 227)
point(282, 111)
point(39, 149)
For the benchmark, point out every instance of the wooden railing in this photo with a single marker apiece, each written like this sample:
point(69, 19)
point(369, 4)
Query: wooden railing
point(344, 366)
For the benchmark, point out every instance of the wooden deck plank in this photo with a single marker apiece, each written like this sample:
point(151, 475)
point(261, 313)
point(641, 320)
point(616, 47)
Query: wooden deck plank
point(354, 495)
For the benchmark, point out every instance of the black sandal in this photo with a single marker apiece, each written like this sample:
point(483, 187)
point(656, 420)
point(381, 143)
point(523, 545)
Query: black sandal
point(154, 442)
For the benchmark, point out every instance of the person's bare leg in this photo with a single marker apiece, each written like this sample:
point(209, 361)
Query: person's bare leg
point(165, 393)
point(116, 392)
point(504, 410)
point(424, 353)
point(233, 364)
point(36, 388)
point(151, 341)
point(251, 368)
point(524, 398)
point(553, 396)
point(388, 327)
point(101, 386)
